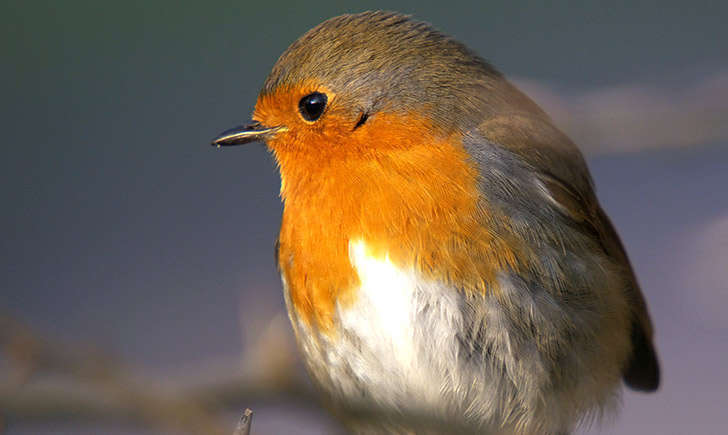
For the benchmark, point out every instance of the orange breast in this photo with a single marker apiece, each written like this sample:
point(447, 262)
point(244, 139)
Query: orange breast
point(394, 183)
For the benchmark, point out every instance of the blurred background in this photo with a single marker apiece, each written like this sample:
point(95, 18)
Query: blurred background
point(137, 261)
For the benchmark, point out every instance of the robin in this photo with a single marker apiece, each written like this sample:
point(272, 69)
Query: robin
point(445, 263)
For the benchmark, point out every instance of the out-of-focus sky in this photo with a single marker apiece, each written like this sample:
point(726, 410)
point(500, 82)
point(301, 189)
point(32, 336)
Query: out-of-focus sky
point(121, 226)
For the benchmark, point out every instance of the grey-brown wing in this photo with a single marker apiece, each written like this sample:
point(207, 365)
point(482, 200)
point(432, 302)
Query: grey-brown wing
point(562, 171)
point(642, 371)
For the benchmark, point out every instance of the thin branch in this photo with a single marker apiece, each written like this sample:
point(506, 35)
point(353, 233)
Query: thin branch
point(244, 424)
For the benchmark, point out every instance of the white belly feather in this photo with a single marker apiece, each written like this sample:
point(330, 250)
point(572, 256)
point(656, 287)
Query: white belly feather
point(398, 329)
point(384, 312)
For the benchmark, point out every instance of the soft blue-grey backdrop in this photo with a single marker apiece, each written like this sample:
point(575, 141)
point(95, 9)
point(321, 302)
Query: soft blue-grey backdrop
point(121, 226)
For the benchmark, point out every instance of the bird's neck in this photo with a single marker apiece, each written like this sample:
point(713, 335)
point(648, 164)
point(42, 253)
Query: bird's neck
point(419, 207)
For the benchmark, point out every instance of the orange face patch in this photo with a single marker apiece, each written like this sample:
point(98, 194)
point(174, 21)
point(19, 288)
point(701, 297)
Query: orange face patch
point(396, 183)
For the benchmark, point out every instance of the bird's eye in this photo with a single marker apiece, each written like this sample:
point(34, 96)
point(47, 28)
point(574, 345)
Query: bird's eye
point(312, 106)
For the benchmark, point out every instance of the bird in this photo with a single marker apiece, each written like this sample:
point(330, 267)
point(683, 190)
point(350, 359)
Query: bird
point(446, 265)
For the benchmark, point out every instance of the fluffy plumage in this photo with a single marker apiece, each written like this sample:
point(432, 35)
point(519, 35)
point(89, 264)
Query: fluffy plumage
point(442, 251)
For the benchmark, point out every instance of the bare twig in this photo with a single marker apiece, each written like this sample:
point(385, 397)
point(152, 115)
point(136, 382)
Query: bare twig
point(244, 424)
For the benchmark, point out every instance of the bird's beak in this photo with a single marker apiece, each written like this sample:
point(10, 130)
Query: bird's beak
point(243, 134)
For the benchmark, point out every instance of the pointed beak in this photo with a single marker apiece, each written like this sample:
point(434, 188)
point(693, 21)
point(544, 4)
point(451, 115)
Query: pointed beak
point(245, 134)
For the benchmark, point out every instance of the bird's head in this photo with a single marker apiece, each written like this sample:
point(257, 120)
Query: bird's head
point(360, 85)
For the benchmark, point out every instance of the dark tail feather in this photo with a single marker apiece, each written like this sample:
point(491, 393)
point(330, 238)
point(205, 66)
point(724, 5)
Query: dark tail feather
point(643, 371)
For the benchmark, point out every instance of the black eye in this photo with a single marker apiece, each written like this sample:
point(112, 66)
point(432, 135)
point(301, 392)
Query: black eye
point(312, 106)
